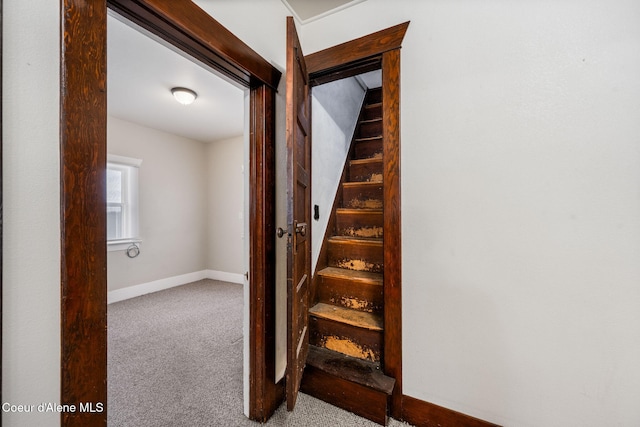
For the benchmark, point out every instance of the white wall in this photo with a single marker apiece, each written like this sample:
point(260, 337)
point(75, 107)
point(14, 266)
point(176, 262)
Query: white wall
point(173, 205)
point(225, 200)
point(31, 217)
point(262, 26)
point(520, 204)
point(521, 229)
point(335, 109)
point(191, 209)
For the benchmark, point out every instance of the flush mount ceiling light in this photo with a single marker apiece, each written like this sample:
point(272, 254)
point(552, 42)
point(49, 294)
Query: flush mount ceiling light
point(183, 95)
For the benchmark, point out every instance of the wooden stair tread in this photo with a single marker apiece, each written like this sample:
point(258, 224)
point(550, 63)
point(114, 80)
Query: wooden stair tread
point(358, 211)
point(374, 105)
point(362, 184)
point(365, 161)
point(351, 369)
point(378, 119)
point(346, 315)
point(369, 138)
point(343, 273)
point(376, 180)
point(374, 241)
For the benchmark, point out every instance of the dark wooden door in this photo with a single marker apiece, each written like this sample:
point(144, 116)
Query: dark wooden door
point(298, 130)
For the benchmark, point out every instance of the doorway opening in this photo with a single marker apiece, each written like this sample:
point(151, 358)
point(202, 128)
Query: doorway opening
point(83, 172)
point(317, 337)
point(190, 227)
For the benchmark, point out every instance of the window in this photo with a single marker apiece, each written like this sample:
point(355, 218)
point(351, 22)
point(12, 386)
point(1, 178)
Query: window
point(122, 202)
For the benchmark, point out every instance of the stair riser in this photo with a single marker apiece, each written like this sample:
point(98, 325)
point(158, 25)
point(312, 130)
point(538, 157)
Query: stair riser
point(347, 339)
point(368, 149)
point(359, 224)
point(373, 112)
point(352, 294)
point(352, 397)
point(356, 196)
point(369, 129)
point(366, 172)
point(374, 96)
point(356, 256)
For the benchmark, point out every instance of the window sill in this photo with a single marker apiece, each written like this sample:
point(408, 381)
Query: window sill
point(122, 244)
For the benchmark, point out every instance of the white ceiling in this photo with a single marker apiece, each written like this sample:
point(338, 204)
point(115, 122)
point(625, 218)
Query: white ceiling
point(372, 79)
point(141, 73)
point(309, 10)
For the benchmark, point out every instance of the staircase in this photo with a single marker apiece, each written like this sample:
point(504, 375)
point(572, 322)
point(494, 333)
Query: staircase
point(346, 318)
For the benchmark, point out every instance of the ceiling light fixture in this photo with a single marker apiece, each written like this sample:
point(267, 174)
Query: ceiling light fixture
point(183, 95)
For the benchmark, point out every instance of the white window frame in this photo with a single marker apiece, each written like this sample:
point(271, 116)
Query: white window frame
point(130, 207)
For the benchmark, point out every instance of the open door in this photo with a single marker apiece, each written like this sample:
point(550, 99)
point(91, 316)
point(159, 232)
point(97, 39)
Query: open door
point(298, 130)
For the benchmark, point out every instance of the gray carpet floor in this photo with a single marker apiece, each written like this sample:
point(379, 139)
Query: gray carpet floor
point(175, 359)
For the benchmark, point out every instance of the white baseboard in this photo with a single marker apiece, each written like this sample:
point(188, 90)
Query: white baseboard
point(225, 277)
point(171, 282)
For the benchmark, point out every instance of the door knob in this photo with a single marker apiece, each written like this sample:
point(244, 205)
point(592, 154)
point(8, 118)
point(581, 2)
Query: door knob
point(280, 232)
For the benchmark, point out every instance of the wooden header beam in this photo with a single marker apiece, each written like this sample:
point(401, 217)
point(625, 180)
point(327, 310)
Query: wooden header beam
point(333, 59)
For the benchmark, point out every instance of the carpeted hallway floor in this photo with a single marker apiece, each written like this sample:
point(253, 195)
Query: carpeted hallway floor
point(175, 359)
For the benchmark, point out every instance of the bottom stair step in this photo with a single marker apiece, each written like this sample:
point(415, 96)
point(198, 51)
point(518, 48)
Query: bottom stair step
point(352, 384)
point(352, 369)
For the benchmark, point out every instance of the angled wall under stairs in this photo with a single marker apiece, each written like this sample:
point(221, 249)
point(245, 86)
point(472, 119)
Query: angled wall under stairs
point(346, 317)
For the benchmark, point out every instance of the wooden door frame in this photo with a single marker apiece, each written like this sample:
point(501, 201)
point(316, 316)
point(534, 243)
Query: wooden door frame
point(83, 142)
point(380, 50)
